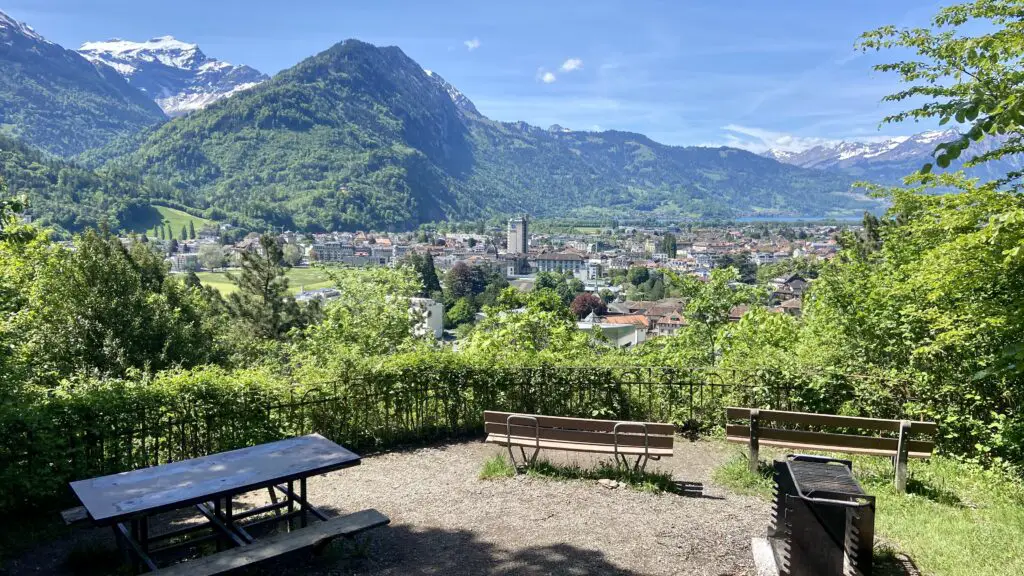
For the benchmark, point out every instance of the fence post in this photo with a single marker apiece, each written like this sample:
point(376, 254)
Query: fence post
point(755, 417)
point(902, 455)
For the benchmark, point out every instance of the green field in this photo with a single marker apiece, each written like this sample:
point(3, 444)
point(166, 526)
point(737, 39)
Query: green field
point(156, 215)
point(298, 279)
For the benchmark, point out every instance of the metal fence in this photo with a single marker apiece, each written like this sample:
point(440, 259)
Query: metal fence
point(368, 411)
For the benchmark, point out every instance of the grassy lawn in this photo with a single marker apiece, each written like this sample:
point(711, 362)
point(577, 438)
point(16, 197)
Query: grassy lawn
point(955, 520)
point(176, 219)
point(298, 278)
point(498, 466)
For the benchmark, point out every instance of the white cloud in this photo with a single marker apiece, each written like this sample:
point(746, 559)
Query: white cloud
point(472, 44)
point(572, 64)
point(760, 140)
point(546, 76)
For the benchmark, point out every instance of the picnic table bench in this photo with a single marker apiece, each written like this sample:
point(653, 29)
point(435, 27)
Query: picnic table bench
point(621, 439)
point(127, 502)
point(900, 448)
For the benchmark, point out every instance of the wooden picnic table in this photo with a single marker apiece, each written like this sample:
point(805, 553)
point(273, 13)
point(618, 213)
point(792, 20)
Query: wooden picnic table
point(127, 501)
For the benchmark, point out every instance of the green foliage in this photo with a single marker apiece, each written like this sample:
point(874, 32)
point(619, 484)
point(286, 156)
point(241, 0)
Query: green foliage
point(461, 313)
point(645, 481)
point(360, 137)
point(262, 305)
point(101, 308)
point(746, 269)
point(939, 304)
point(497, 466)
point(972, 79)
point(956, 519)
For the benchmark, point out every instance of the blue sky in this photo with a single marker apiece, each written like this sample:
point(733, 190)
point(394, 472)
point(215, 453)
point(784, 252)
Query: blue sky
point(741, 72)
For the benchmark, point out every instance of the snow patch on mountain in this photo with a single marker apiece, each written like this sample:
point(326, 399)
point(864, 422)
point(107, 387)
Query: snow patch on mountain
point(8, 23)
point(177, 75)
point(461, 101)
point(846, 154)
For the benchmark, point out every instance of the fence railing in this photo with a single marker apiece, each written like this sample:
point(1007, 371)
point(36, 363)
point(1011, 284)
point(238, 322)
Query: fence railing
point(366, 411)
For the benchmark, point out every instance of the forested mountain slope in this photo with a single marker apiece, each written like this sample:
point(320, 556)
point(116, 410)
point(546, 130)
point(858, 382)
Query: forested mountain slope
point(57, 100)
point(360, 136)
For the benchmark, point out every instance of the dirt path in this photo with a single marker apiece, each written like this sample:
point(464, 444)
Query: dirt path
point(446, 521)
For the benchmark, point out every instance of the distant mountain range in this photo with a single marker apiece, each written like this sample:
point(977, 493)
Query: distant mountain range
point(177, 75)
point(57, 100)
point(888, 161)
point(355, 137)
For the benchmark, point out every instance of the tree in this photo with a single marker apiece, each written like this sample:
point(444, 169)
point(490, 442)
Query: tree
point(292, 254)
point(668, 244)
point(471, 242)
point(191, 230)
point(461, 313)
point(9, 209)
point(459, 281)
point(160, 232)
point(212, 256)
point(262, 302)
point(585, 304)
point(746, 269)
point(108, 309)
point(972, 79)
point(184, 232)
point(709, 303)
point(172, 248)
point(637, 275)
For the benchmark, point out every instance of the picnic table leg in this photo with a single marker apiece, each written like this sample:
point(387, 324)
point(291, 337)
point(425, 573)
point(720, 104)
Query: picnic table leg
point(291, 504)
point(216, 512)
point(303, 506)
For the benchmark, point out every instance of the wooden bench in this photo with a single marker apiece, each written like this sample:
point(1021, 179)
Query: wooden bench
point(900, 448)
point(316, 536)
point(645, 440)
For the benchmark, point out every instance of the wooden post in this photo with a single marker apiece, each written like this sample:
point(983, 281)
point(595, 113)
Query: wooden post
point(902, 455)
point(755, 416)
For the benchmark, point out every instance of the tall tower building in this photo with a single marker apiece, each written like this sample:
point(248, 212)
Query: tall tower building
point(518, 236)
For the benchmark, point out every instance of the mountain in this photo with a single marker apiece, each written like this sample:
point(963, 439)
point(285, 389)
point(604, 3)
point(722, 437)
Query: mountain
point(57, 100)
point(888, 161)
point(177, 75)
point(360, 136)
point(458, 98)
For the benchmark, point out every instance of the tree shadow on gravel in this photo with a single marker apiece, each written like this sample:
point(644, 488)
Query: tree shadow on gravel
point(396, 550)
point(400, 549)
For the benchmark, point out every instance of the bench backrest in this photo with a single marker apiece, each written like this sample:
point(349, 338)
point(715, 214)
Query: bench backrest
point(763, 430)
point(582, 430)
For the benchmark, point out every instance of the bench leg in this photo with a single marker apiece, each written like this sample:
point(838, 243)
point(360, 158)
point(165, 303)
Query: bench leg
point(902, 455)
point(526, 461)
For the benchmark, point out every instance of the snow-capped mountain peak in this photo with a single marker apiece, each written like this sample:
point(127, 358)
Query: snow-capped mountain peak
point(844, 154)
point(460, 99)
point(889, 160)
point(176, 74)
point(14, 26)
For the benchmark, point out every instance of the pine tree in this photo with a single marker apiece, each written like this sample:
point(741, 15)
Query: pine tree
point(262, 301)
point(184, 232)
point(191, 230)
point(160, 231)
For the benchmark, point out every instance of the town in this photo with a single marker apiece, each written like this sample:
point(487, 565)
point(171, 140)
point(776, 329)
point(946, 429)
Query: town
point(623, 267)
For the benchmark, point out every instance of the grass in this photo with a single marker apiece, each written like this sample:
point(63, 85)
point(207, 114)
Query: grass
point(498, 466)
point(176, 219)
point(956, 519)
point(298, 278)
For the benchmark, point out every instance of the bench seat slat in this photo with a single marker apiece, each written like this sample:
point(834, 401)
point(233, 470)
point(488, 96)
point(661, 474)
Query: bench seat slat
point(626, 436)
point(810, 419)
point(530, 442)
point(279, 544)
point(653, 428)
point(842, 441)
point(825, 448)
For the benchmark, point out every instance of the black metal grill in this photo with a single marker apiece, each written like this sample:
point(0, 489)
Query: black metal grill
point(823, 522)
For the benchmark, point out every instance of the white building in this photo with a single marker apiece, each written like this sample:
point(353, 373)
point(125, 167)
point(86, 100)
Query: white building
point(518, 236)
point(432, 317)
point(559, 262)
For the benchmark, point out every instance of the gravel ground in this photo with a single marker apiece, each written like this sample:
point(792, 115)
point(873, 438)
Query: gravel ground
point(446, 521)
